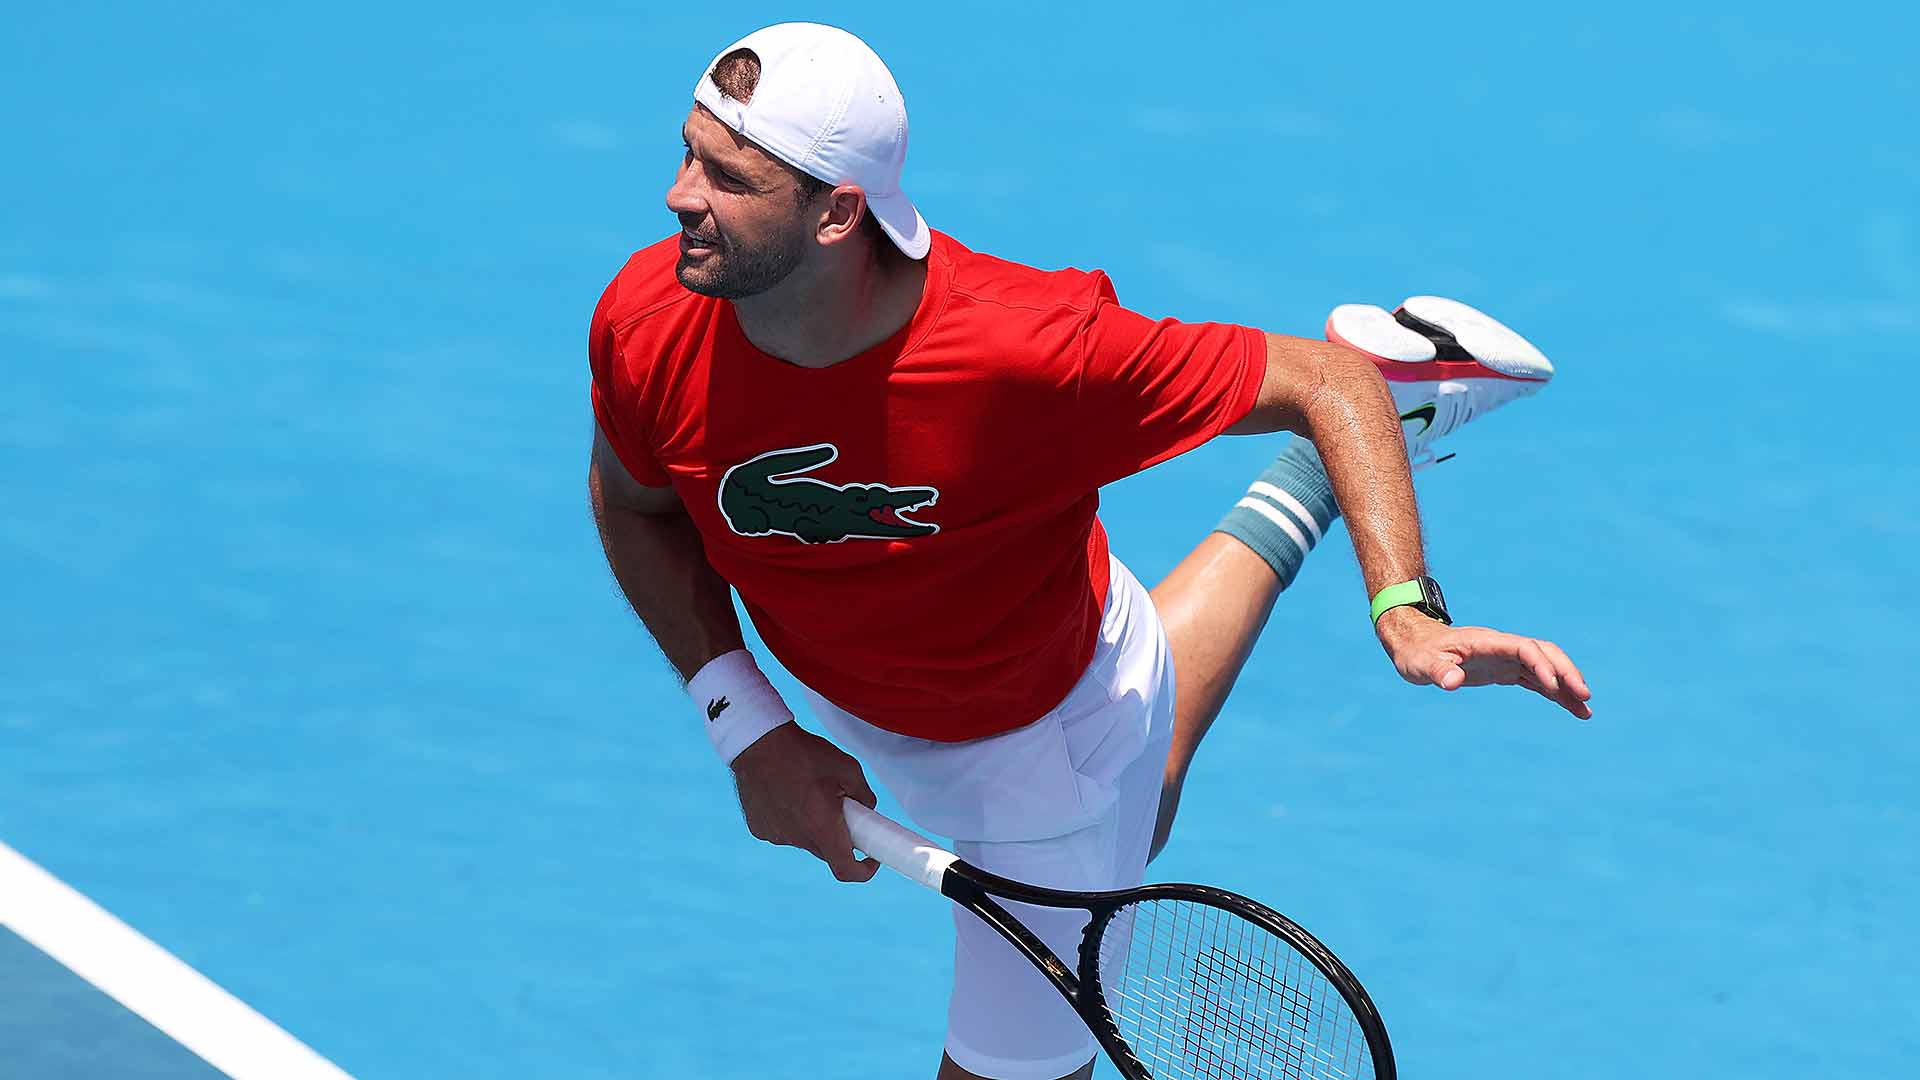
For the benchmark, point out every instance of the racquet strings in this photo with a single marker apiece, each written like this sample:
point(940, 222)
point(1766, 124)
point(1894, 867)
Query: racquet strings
point(1198, 992)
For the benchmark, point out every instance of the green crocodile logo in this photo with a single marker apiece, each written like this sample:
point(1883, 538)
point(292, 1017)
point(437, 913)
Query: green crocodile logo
point(762, 495)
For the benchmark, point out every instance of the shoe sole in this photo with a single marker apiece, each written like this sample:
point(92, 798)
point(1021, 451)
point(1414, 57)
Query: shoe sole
point(1431, 338)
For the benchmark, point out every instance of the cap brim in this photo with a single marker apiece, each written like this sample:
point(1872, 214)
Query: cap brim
point(902, 224)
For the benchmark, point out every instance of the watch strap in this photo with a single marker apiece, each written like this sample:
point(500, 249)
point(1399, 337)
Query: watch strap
point(1393, 596)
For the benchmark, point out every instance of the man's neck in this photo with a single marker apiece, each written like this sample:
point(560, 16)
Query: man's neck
point(820, 319)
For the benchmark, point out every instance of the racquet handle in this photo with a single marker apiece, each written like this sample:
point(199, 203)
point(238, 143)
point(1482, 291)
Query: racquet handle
point(898, 848)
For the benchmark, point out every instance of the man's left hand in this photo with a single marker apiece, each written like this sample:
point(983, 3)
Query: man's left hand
point(1429, 652)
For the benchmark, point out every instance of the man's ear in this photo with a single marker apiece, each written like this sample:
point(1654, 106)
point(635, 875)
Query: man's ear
point(846, 209)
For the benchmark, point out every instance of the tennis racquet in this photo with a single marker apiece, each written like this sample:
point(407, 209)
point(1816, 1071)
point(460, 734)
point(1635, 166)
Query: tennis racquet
point(1176, 982)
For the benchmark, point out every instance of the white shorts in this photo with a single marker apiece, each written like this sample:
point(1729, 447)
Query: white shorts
point(1067, 801)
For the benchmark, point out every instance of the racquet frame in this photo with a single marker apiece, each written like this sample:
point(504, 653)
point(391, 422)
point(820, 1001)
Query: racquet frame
point(978, 890)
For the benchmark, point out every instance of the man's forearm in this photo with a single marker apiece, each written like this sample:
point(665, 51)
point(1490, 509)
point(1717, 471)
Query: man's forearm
point(663, 570)
point(1355, 426)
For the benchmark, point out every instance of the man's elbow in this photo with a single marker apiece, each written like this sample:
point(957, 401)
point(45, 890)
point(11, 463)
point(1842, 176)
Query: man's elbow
point(1348, 382)
point(1306, 379)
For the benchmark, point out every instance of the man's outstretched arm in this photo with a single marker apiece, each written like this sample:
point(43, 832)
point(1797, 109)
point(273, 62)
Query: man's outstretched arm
point(790, 781)
point(1333, 395)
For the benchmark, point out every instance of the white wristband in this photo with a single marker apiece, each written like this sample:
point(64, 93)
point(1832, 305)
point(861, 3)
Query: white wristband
point(739, 703)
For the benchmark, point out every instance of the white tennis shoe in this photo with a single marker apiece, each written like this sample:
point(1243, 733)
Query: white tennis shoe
point(1445, 362)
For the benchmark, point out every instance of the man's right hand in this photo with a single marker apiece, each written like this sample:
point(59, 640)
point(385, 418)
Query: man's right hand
point(791, 782)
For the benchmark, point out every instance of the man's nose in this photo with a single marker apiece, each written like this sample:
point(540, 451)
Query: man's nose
point(684, 196)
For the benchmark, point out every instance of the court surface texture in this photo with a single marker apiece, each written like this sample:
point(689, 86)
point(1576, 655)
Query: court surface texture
point(312, 674)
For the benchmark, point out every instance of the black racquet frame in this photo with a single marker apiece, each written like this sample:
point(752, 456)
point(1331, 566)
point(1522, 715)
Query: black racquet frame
point(975, 889)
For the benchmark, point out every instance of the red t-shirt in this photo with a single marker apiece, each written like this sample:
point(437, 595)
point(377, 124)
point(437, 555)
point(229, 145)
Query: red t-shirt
point(912, 530)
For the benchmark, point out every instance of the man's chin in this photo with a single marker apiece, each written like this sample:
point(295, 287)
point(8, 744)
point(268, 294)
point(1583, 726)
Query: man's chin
point(737, 280)
point(696, 279)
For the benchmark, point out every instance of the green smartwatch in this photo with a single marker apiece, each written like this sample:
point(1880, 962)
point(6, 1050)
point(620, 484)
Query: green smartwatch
point(1422, 592)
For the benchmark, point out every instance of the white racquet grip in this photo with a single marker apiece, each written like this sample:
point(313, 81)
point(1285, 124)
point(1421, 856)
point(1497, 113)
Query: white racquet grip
point(897, 847)
point(739, 703)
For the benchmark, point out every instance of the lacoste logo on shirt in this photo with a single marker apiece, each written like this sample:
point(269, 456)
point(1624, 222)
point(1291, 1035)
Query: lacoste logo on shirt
point(767, 494)
point(715, 708)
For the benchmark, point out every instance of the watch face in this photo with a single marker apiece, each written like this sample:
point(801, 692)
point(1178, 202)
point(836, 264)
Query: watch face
point(1430, 591)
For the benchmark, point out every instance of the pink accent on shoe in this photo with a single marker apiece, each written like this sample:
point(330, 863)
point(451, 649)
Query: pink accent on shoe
point(1426, 370)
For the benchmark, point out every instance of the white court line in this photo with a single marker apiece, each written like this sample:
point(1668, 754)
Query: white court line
point(150, 981)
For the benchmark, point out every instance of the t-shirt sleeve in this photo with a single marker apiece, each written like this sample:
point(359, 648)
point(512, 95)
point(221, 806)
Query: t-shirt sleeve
point(1150, 391)
point(616, 405)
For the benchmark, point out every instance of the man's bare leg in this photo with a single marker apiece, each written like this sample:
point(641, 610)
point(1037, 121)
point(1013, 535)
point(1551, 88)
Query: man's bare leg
point(1214, 605)
point(1216, 602)
point(950, 1071)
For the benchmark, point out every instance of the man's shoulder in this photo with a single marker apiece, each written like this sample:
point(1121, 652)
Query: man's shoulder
point(645, 288)
point(1005, 283)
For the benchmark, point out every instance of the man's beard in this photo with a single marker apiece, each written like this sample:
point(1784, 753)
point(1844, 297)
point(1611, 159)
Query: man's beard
point(735, 273)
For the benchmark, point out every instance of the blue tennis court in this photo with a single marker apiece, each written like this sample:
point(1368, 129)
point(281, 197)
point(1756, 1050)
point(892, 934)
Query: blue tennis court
point(315, 682)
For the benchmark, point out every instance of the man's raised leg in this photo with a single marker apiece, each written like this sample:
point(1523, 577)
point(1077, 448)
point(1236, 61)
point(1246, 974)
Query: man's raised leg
point(1445, 363)
point(1216, 602)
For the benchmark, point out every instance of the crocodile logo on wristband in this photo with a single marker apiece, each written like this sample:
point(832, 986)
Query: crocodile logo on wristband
point(715, 708)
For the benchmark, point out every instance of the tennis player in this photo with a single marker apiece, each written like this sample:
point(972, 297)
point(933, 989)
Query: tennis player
point(892, 448)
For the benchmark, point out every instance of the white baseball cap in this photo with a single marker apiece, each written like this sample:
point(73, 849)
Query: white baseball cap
point(826, 105)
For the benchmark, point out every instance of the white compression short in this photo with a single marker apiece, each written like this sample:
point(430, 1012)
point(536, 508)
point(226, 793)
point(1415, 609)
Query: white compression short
point(1067, 801)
